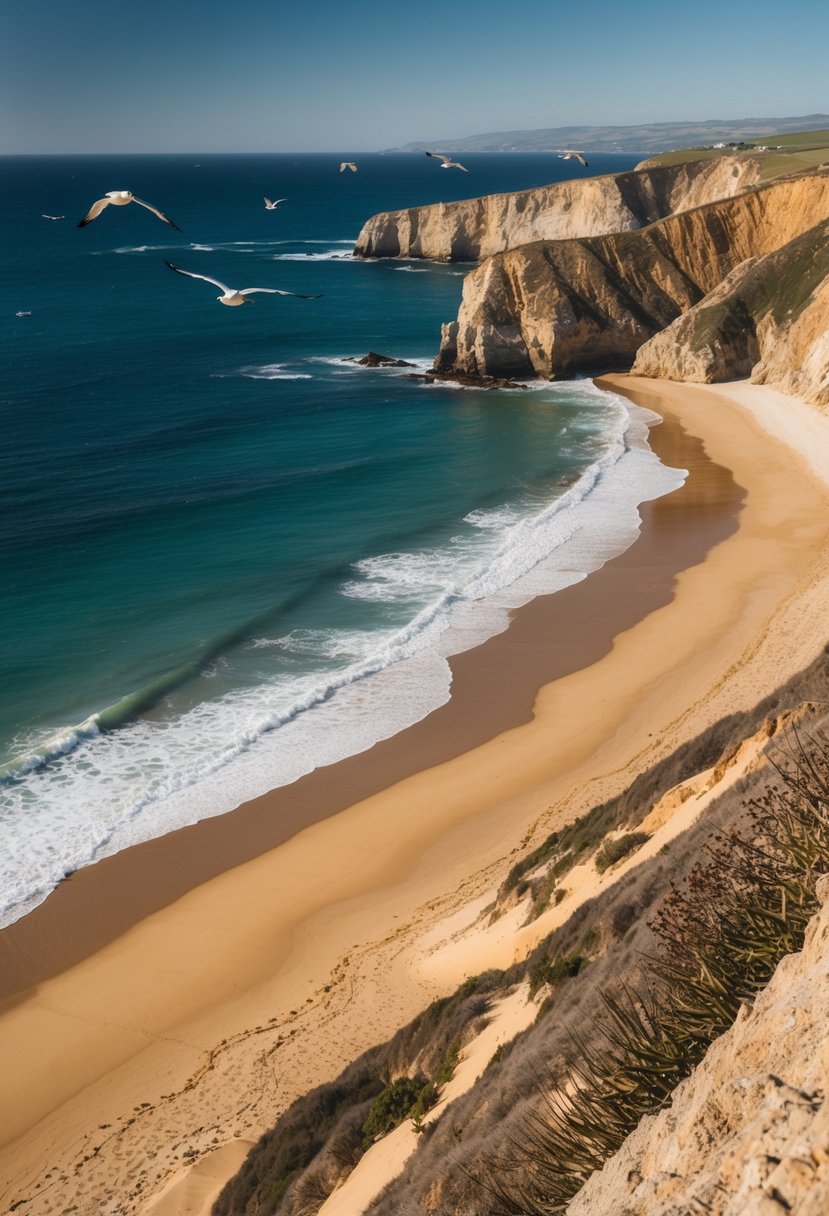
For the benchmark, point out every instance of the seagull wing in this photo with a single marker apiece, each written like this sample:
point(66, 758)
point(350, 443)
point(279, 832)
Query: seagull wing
point(271, 291)
point(94, 211)
point(267, 201)
point(191, 275)
point(462, 168)
point(581, 159)
point(156, 211)
point(439, 156)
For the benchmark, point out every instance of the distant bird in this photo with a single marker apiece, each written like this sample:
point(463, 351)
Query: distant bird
point(447, 163)
point(120, 198)
point(52, 217)
point(24, 312)
point(570, 154)
point(272, 204)
point(230, 295)
point(348, 164)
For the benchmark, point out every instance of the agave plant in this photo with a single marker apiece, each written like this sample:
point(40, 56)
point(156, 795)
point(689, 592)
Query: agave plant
point(721, 935)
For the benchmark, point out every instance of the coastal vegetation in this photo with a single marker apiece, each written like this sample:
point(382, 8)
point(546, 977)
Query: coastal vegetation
point(721, 935)
point(641, 979)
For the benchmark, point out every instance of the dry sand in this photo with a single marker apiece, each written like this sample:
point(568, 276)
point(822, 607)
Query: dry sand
point(168, 1029)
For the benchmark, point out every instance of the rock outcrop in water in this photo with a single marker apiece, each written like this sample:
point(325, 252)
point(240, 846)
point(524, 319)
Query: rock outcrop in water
point(554, 308)
point(476, 228)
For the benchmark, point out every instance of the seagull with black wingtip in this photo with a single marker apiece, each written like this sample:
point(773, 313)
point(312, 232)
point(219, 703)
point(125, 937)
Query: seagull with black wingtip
point(447, 162)
point(572, 154)
point(233, 297)
point(120, 198)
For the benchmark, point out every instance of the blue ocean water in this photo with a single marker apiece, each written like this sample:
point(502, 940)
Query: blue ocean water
point(228, 555)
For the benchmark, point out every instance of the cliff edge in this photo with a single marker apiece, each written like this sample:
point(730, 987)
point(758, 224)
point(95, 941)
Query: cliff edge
point(476, 228)
point(555, 308)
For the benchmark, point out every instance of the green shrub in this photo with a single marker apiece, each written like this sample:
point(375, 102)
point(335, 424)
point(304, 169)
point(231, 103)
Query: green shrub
point(547, 972)
point(614, 850)
point(449, 1063)
point(396, 1103)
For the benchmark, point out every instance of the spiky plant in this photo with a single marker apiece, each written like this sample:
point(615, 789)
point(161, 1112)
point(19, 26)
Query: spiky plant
point(721, 935)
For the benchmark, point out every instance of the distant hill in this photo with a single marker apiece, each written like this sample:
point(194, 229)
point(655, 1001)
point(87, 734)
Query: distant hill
point(648, 138)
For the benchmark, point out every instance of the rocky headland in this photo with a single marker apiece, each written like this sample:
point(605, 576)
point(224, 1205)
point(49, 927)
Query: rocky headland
point(555, 308)
point(476, 228)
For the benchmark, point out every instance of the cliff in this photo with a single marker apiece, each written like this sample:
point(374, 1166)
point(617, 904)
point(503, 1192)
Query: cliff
point(554, 308)
point(747, 1134)
point(768, 319)
point(476, 228)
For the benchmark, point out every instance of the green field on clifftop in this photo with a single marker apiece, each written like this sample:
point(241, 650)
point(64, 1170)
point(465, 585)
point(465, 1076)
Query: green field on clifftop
point(786, 154)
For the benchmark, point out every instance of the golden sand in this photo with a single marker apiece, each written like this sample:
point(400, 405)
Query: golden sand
point(188, 1024)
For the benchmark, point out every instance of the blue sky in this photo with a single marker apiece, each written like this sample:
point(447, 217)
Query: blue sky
point(251, 75)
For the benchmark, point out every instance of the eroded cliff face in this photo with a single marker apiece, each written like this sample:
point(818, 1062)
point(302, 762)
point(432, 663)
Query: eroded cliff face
point(476, 228)
point(747, 1134)
point(769, 319)
point(554, 308)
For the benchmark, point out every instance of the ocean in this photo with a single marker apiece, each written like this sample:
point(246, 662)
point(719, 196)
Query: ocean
point(229, 556)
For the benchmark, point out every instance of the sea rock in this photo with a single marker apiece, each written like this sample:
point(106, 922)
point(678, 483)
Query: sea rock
point(475, 228)
point(469, 380)
point(372, 359)
point(554, 308)
point(748, 1132)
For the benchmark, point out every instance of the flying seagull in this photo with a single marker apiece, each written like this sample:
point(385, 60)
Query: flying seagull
point(447, 163)
point(272, 204)
point(120, 198)
point(348, 164)
point(571, 154)
point(52, 217)
point(230, 295)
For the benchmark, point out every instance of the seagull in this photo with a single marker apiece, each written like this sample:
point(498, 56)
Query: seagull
point(272, 204)
point(348, 164)
point(120, 198)
point(230, 295)
point(447, 163)
point(52, 217)
point(570, 154)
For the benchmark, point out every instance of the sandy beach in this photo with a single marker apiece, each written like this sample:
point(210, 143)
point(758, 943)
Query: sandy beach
point(162, 1008)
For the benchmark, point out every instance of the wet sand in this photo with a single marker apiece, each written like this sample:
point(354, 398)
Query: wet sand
point(493, 689)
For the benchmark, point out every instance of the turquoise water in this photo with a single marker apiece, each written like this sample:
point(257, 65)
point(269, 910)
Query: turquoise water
point(228, 555)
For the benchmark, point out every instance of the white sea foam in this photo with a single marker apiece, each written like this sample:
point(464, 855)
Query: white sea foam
point(328, 255)
point(494, 517)
point(137, 249)
point(348, 365)
point(116, 788)
point(273, 371)
point(239, 247)
point(413, 269)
